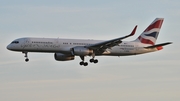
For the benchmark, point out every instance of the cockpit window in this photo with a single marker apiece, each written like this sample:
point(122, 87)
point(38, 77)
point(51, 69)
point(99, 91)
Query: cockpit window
point(16, 42)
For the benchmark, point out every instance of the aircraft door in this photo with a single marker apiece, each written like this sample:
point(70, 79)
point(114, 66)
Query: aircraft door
point(57, 43)
point(25, 43)
point(136, 49)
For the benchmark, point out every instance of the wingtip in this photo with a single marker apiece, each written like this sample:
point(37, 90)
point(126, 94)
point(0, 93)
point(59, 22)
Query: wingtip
point(134, 31)
point(169, 43)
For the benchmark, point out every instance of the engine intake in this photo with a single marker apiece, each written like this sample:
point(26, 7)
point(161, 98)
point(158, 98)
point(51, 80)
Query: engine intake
point(63, 57)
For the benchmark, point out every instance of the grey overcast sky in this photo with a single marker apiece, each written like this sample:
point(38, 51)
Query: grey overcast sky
point(149, 77)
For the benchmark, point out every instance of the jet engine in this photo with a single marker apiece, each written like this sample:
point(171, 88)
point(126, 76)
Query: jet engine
point(63, 57)
point(81, 51)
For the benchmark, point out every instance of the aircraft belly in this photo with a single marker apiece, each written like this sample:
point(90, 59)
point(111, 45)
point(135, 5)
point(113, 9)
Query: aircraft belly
point(142, 50)
point(119, 51)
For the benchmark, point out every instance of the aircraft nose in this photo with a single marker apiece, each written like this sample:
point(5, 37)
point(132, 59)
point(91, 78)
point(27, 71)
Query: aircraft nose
point(9, 47)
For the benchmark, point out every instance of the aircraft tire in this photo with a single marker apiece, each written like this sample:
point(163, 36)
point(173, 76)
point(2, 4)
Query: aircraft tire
point(91, 60)
point(27, 60)
point(81, 63)
point(96, 61)
point(85, 63)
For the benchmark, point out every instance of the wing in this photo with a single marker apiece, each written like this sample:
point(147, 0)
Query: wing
point(110, 43)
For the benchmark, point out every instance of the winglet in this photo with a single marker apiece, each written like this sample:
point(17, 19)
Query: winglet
point(134, 31)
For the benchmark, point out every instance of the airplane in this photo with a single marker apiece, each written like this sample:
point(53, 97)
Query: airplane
point(67, 49)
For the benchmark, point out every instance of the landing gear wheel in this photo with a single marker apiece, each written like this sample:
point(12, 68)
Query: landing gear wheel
point(95, 61)
point(85, 63)
point(81, 63)
point(91, 60)
point(27, 60)
point(26, 55)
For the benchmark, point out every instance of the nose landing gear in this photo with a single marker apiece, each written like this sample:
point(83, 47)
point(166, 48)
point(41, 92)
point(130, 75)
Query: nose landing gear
point(26, 56)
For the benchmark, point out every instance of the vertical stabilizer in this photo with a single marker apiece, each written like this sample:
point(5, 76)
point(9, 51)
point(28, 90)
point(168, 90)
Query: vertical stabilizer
point(150, 34)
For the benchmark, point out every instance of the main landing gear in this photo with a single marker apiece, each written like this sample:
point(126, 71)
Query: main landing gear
point(26, 56)
point(82, 62)
point(85, 63)
point(93, 60)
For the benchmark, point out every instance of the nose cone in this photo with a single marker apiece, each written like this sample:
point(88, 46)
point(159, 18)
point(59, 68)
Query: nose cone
point(9, 47)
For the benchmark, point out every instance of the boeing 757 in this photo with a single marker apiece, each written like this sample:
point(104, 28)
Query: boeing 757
point(67, 49)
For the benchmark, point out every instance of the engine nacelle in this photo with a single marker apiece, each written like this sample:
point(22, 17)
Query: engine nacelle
point(81, 51)
point(63, 57)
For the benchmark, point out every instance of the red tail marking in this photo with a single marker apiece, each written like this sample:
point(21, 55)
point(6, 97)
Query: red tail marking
point(146, 41)
point(157, 24)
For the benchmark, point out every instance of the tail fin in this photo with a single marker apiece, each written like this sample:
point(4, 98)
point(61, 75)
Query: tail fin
point(150, 34)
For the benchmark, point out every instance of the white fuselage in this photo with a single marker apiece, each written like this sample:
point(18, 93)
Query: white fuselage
point(57, 45)
point(67, 49)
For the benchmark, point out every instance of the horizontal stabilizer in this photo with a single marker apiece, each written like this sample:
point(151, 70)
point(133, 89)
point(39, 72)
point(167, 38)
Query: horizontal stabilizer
point(159, 45)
